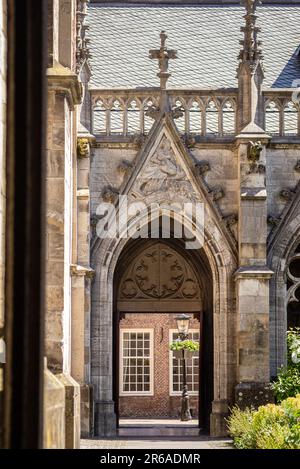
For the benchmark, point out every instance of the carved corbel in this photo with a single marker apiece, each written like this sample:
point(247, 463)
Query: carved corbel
point(83, 147)
point(202, 167)
point(287, 194)
point(110, 194)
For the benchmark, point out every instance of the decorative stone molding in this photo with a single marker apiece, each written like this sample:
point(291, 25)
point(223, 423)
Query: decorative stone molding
point(274, 221)
point(217, 193)
point(110, 194)
point(80, 271)
point(203, 167)
point(56, 220)
point(63, 80)
point(231, 219)
point(159, 273)
point(287, 194)
point(253, 271)
point(83, 147)
point(293, 277)
point(83, 194)
point(254, 151)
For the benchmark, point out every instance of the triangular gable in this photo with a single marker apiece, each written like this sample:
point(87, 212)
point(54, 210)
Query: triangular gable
point(165, 171)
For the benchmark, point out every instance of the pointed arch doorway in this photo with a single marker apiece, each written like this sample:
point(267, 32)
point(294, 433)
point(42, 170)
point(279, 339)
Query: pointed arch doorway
point(155, 280)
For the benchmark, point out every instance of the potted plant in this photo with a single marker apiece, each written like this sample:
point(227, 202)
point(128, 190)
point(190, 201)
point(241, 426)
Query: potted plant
point(189, 347)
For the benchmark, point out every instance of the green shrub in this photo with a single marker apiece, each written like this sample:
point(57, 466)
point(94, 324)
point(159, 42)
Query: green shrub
point(270, 427)
point(240, 426)
point(287, 383)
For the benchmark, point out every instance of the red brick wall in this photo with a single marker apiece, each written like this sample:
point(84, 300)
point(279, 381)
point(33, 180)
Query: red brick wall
point(161, 404)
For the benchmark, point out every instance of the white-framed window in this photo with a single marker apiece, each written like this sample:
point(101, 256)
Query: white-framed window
point(192, 368)
point(136, 362)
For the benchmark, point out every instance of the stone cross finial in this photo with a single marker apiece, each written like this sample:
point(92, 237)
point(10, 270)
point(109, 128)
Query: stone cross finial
point(163, 55)
point(251, 52)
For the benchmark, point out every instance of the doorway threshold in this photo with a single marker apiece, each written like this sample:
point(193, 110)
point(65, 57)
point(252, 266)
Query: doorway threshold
point(158, 427)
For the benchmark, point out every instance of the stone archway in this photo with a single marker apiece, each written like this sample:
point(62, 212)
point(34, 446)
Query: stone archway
point(153, 280)
point(222, 263)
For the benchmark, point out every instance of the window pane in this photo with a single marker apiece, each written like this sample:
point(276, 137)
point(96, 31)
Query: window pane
point(136, 370)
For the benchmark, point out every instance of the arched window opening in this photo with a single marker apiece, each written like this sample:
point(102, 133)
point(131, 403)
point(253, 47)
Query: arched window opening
point(180, 121)
point(228, 118)
point(212, 118)
point(148, 115)
point(195, 118)
point(290, 119)
point(272, 118)
point(99, 118)
point(116, 118)
point(293, 290)
point(133, 118)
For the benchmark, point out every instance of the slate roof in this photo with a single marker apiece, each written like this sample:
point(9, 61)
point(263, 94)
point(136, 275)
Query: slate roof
point(206, 38)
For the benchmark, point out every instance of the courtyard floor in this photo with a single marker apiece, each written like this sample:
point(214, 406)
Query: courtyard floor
point(158, 434)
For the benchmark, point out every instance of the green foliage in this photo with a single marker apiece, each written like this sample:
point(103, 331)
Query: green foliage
point(240, 427)
point(270, 427)
point(287, 383)
point(190, 345)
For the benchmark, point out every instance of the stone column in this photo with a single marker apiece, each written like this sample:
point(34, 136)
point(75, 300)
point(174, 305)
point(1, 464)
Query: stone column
point(252, 277)
point(81, 285)
point(64, 92)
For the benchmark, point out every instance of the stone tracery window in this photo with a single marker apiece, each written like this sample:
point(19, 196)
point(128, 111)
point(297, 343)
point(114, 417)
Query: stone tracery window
point(116, 118)
point(290, 119)
point(148, 121)
point(272, 117)
point(99, 118)
point(133, 117)
point(180, 121)
point(195, 117)
point(293, 289)
point(228, 118)
point(212, 118)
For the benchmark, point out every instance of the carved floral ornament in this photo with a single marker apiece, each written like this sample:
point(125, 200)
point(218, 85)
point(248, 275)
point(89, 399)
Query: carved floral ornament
point(159, 273)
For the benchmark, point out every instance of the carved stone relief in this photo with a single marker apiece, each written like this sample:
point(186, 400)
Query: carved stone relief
point(159, 273)
point(164, 174)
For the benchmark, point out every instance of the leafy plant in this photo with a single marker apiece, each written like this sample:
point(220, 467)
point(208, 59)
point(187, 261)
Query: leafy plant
point(240, 427)
point(270, 427)
point(188, 344)
point(287, 383)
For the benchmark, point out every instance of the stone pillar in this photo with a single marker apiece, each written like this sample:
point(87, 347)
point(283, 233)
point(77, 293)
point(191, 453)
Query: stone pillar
point(252, 277)
point(64, 92)
point(54, 411)
point(81, 286)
